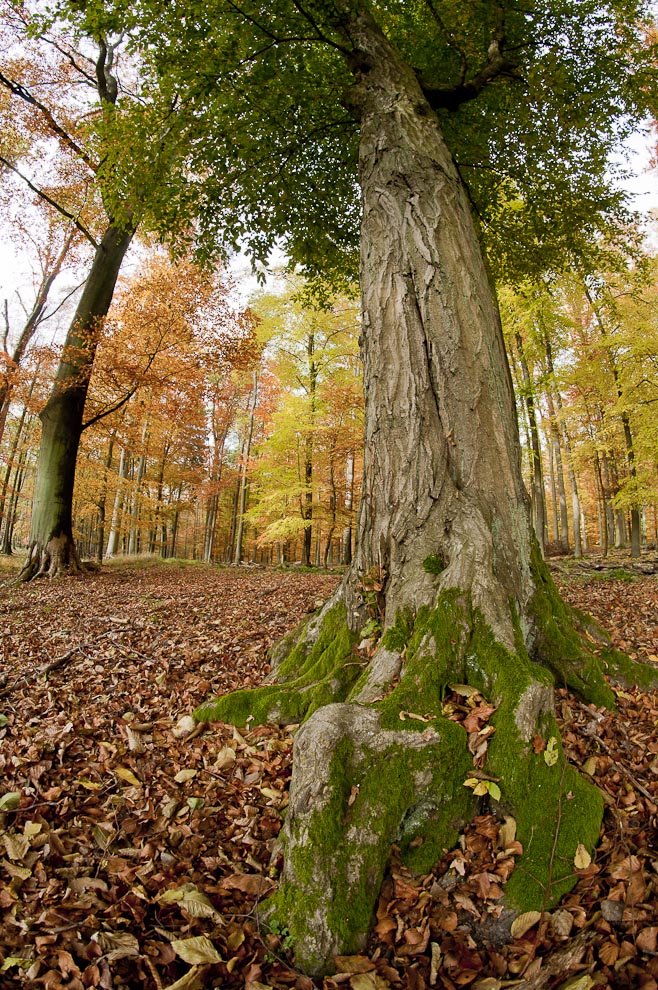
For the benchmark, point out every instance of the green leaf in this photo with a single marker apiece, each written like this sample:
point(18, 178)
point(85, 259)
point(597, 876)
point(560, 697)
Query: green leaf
point(10, 800)
point(551, 753)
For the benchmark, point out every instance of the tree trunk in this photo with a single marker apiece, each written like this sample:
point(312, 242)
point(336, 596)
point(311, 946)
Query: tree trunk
point(52, 549)
point(242, 498)
point(538, 499)
point(446, 571)
point(346, 538)
point(115, 524)
point(30, 327)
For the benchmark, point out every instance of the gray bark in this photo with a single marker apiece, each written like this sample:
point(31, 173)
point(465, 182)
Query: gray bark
point(441, 462)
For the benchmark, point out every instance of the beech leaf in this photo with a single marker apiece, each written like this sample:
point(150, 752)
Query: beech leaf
point(524, 923)
point(125, 774)
point(184, 775)
point(197, 950)
point(582, 859)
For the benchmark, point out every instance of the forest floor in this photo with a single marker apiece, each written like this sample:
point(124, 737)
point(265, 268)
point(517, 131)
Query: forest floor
point(134, 856)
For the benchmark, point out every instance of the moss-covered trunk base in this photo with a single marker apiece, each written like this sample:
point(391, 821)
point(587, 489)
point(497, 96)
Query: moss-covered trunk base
point(55, 558)
point(382, 757)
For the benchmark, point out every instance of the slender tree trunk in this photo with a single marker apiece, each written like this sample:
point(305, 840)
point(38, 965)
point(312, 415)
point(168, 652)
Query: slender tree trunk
point(538, 498)
point(133, 540)
point(346, 540)
point(51, 547)
point(102, 502)
point(115, 524)
point(244, 468)
point(12, 512)
point(628, 435)
point(30, 327)
point(307, 496)
point(20, 426)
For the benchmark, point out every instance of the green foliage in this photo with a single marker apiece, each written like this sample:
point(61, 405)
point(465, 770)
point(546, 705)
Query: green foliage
point(271, 148)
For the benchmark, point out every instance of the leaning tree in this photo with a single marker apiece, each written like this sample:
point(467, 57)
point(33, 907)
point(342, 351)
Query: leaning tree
point(446, 140)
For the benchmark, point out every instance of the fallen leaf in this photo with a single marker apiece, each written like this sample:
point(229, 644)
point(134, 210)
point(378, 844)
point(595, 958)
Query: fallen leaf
point(125, 774)
point(198, 950)
point(582, 858)
point(524, 923)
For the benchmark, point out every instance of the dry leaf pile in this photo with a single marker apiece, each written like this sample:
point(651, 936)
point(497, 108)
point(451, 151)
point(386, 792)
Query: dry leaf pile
point(135, 847)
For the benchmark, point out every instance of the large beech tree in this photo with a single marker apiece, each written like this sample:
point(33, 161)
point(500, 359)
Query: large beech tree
point(446, 127)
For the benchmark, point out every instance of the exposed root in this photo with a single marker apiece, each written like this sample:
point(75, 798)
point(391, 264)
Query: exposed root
point(56, 558)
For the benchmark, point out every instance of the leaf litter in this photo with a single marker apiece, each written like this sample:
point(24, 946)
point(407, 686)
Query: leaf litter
point(136, 847)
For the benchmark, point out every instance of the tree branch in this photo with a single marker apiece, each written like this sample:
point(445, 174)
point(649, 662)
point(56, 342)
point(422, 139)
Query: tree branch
point(48, 199)
point(24, 94)
point(497, 64)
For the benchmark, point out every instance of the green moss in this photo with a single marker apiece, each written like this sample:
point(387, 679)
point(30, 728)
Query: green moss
point(432, 661)
point(627, 672)
point(313, 676)
point(434, 564)
point(398, 635)
point(554, 807)
point(374, 801)
point(558, 643)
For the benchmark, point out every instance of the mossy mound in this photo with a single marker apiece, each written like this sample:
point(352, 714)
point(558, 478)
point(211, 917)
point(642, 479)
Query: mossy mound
point(313, 674)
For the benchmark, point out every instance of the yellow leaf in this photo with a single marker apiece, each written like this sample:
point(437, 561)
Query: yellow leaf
point(507, 832)
point(589, 766)
point(17, 846)
point(582, 859)
point(128, 776)
point(89, 785)
point(190, 981)
point(524, 923)
point(197, 950)
point(184, 775)
point(481, 788)
point(225, 758)
point(551, 754)
point(584, 982)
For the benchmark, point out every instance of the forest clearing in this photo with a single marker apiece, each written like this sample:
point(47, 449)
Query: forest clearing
point(136, 855)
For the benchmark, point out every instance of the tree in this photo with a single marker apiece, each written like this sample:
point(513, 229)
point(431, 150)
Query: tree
point(523, 102)
point(312, 354)
point(124, 141)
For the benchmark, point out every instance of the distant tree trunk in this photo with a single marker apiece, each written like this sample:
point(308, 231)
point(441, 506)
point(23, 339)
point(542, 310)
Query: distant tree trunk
point(561, 513)
point(10, 520)
point(307, 496)
point(115, 524)
point(102, 502)
point(332, 506)
point(628, 435)
point(538, 498)
point(244, 468)
point(20, 426)
point(51, 548)
point(30, 327)
point(346, 539)
point(133, 540)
